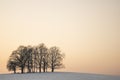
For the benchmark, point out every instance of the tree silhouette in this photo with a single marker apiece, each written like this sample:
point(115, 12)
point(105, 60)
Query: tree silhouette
point(45, 60)
point(11, 65)
point(35, 59)
point(41, 55)
point(55, 58)
point(20, 56)
point(29, 62)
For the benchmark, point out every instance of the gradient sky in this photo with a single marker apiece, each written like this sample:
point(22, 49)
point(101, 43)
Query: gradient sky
point(87, 31)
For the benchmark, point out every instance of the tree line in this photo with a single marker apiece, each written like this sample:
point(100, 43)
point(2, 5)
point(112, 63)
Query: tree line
point(35, 59)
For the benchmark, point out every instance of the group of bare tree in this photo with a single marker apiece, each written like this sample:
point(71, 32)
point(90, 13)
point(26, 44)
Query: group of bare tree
point(35, 59)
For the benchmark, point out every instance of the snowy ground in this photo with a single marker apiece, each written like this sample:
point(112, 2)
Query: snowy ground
point(57, 76)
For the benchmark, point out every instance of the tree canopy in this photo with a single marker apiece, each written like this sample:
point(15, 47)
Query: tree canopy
point(35, 59)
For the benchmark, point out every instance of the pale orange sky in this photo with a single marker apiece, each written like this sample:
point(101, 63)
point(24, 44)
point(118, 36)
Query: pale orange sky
point(87, 31)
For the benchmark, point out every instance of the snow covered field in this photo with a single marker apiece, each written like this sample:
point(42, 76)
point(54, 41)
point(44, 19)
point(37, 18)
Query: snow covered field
point(57, 76)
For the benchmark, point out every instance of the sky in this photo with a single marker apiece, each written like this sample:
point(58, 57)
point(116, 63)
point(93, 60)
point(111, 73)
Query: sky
point(87, 31)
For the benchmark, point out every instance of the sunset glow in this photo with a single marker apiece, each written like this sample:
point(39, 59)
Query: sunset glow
point(87, 31)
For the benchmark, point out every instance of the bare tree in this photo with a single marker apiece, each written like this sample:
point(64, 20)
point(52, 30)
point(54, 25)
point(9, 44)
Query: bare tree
point(20, 56)
point(35, 58)
point(55, 58)
point(12, 65)
point(29, 62)
point(41, 51)
point(45, 60)
point(41, 55)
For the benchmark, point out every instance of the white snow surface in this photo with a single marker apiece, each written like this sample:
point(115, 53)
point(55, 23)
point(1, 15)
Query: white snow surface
point(57, 76)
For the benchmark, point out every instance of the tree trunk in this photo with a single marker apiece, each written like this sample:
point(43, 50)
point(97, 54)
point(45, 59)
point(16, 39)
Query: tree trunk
point(22, 69)
point(44, 65)
point(14, 71)
point(44, 68)
point(40, 68)
point(28, 67)
point(52, 69)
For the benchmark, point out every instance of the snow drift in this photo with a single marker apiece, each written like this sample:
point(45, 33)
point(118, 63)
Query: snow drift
point(57, 76)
